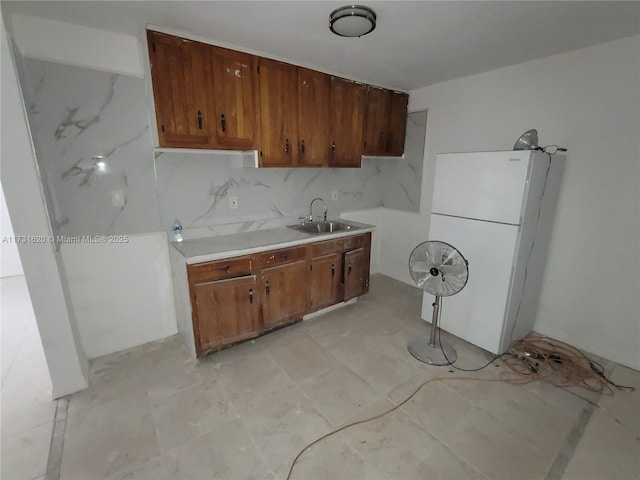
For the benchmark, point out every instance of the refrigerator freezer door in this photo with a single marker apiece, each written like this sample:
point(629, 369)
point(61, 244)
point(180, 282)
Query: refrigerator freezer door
point(486, 186)
point(477, 313)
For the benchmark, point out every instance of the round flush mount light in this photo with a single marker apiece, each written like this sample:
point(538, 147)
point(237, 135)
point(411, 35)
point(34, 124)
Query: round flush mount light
point(352, 21)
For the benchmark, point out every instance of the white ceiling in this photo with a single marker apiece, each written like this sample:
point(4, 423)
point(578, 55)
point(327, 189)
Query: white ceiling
point(416, 43)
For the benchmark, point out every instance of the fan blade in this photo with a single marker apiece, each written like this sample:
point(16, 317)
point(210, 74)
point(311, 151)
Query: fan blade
point(422, 266)
point(451, 254)
point(453, 284)
point(436, 285)
point(422, 281)
point(453, 269)
point(434, 253)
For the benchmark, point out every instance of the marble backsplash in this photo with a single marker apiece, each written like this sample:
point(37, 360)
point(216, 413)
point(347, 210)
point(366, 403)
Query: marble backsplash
point(92, 137)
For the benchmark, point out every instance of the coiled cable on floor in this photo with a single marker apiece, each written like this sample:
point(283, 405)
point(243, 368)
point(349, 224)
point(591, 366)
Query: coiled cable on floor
point(540, 358)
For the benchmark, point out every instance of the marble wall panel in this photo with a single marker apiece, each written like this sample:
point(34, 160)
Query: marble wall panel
point(194, 189)
point(91, 135)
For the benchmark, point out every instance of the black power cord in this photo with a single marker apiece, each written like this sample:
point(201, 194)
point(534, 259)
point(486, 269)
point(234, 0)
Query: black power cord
point(551, 149)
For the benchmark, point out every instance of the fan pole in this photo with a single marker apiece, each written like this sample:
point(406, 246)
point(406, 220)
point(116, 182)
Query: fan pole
point(433, 353)
point(434, 321)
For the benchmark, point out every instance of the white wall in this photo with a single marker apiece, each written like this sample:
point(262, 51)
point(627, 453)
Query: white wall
point(121, 292)
point(396, 235)
point(9, 257)
point(587, 100)
point(43, 269)
point(76, 45)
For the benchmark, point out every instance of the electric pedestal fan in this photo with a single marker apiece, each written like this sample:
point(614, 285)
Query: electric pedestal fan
point(439, 269)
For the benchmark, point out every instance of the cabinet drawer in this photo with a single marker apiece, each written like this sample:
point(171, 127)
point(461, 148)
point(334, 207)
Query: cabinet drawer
point(331, 246)
point(356, 241)
point(284, 255)
point(321, 249)
point(232, 267)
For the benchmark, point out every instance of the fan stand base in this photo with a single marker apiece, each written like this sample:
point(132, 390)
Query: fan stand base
point(421, 350)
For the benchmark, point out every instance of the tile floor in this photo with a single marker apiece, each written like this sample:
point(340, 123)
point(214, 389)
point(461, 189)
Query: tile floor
point(27, 409)
point(244, 413)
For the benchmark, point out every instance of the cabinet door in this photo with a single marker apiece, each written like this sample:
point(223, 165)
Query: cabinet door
point(397, 123)
point(347, 122)
point(180, 74)
point(278, 113)
point(236, 105)
point(356, 273)
point(325, 281)
point(226, 311)
point(313, 117)
point(284, 293)
point(377, 120)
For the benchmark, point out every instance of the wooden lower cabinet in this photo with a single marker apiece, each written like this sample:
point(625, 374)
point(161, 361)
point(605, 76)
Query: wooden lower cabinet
point(325, 281)
point(284, 293)
point(239, 298)
point(356, 273)
point(227, 311)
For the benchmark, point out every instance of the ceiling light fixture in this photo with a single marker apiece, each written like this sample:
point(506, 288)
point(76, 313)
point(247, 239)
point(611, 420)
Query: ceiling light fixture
point(352, 21)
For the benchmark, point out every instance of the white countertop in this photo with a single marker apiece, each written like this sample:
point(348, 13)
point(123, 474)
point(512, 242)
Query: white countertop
point(224, 246)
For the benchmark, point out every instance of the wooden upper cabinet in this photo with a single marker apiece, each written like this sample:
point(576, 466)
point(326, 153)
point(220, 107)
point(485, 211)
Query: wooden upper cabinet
point(205, 96)
point(377, 121)
point(347, 122)
point(212, 97)
point(397, 123)
point(313, 117)
point(236, 105)
point(386, 122)
point(180, 73)
point(278, 113)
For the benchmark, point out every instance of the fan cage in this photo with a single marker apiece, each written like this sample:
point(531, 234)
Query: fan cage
point(450, 257)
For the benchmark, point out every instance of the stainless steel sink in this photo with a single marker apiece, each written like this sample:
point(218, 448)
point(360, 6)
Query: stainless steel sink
point(324, 227)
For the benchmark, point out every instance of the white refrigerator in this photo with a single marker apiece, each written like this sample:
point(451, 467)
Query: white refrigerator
point(497, 209)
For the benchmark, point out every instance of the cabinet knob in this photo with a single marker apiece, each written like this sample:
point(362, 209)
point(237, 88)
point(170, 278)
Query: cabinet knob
point(251, 295)
point(199, 120)
point(381, 139)
point(286, 145)
point(267, 288)
point(349, 272)
point(223, 122)
point(333, 148)
point(333, 270)
point(302, 146)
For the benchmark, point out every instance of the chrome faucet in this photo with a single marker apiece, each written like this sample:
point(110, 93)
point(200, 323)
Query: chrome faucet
point(311, 209)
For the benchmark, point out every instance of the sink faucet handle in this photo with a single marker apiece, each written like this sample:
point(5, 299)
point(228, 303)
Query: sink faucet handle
point(304, 220)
